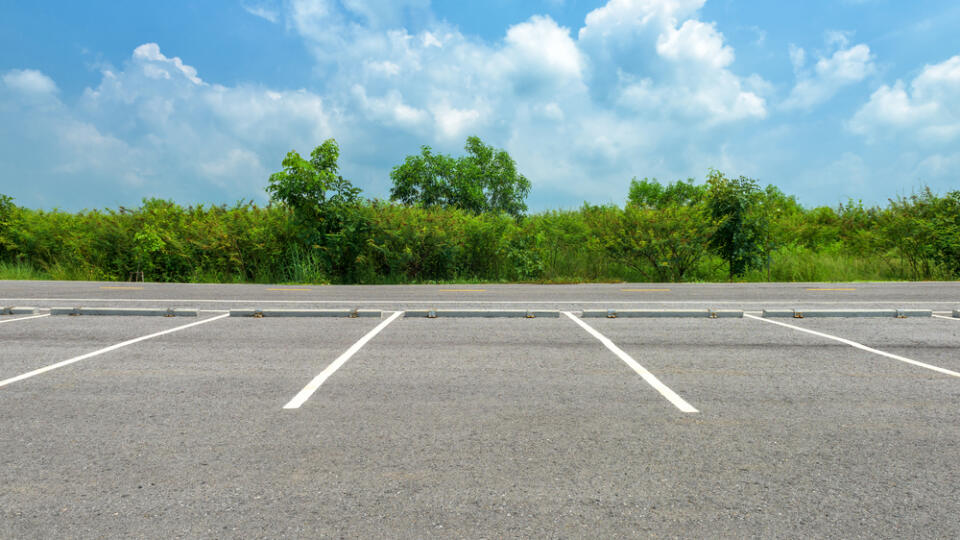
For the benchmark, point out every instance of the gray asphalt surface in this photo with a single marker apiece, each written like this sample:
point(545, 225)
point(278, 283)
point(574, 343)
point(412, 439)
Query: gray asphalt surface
point(480, 428)
point(752, 296)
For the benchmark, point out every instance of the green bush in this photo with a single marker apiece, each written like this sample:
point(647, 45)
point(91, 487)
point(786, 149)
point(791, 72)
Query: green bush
point(666, 233)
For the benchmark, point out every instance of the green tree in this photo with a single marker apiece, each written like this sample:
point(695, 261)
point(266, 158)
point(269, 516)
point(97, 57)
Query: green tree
point(649, 193)
point(308, 186)
point(484, 180)
point(660, 244)
point(6, 216)
point(924, 230)
point(947, 222)
point(735, 204)
point(326, 208)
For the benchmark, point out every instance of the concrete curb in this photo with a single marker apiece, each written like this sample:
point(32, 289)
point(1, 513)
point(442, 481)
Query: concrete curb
point(18, 310)
point(138, 312)
point(343, 313)
point(663, 313)
point(481, 313)
point(812, 313)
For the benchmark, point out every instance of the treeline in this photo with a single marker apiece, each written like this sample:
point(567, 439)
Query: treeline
point(318, 229)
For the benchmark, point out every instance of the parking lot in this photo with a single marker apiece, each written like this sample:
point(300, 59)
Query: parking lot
point(217, 426)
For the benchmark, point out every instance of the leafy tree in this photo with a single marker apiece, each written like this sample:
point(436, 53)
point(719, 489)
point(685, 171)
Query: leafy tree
point(947, 222)
point(924, 230)
point(649, 193)
point(6, 216)
point(308, 186)
point(326, 207)
point(485, 180)
point(736, 205)
point(663, 245)
point(672, 241)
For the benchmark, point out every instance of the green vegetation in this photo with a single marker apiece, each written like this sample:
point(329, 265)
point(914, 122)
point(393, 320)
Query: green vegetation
point(485, 180)
point(462, 220)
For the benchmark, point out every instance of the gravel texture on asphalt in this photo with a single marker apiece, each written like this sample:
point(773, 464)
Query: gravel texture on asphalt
point(479, 428)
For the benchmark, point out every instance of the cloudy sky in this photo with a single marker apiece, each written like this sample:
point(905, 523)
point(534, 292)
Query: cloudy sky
point(105, 103)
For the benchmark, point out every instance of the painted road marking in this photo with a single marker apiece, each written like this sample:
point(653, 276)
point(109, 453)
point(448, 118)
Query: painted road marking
point(463, 290)
point(645, 290)
point(844, 289)
point(313, 385)
point(24, 318)
point(122, 288)
point(947, 318)
point(651, 379)
point(105, 350)
point(858, 346)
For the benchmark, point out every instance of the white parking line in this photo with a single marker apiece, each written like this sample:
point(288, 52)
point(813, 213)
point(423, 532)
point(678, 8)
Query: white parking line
point(947, 318)
point(858, 346)
point(313, 385)
point(25, 318)
point(651, 379)
point(105, 350)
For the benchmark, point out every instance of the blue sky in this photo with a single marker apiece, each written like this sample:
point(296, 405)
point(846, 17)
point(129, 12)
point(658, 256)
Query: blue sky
point(105, 103)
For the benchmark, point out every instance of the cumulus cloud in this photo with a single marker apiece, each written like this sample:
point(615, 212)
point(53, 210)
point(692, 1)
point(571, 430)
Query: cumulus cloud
point(620, 19)
point(29, 82)
point(543, 48)
point(639, 89)
point(819, 83)
point(47, 152)
point(668, 63)
point(929, 107)
point(155, 128)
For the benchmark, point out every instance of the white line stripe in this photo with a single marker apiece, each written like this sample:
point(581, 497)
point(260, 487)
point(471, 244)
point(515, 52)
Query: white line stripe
point(25, 318)
point(948, 318)
point(105, 350)
point(651, 379)
point(705, 302)
point(313, 385)
point(858, 346)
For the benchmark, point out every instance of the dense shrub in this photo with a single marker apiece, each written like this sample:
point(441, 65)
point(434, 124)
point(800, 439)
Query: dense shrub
point(666, 233)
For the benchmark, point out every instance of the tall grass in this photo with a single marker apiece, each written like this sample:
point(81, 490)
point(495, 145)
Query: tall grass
point(21, 270)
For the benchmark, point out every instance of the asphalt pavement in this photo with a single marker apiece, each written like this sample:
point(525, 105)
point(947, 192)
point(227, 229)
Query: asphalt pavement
point(754, 296)
point(157, 427)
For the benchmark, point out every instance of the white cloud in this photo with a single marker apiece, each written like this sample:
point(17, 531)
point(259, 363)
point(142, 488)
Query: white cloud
point(156, 65)
point(619, 18)
point(541, 45)
point(154, 128)
point(688, 77)
point(846, 66)
point(940, 165)
point(391, 109)
point(29, 81)
point(640, 89)
point(929, 108)
point(263, 12)
point(453, 122)
point(697, 43)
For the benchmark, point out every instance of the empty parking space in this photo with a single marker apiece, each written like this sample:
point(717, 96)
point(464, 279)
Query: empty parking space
point(181, 434)
point(754, 368)
point(36, 343)
point(529, 426)
point(931, 340)
point(808, 431)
